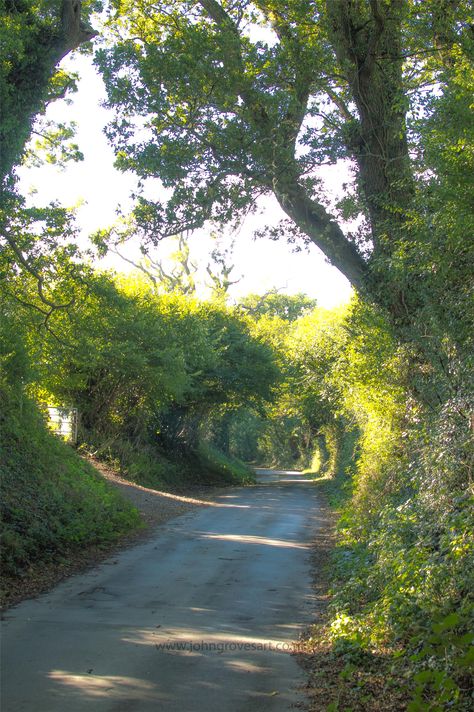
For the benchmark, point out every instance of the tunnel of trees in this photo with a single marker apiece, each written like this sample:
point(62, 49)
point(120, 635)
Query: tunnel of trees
point(227, 101)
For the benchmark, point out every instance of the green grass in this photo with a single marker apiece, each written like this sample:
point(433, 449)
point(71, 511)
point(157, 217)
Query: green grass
point(52, 501)
point(177, 469)
point(223, 468)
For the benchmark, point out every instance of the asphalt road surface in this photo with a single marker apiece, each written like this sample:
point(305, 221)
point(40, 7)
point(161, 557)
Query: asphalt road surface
point(200, 617)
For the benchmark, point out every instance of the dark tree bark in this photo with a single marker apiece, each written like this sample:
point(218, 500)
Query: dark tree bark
point(367, 42)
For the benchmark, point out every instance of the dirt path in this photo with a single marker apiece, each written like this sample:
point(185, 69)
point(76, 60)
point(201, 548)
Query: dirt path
point(156, 506)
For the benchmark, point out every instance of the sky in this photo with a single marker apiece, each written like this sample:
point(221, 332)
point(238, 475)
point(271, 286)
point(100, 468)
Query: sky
point(98, 189)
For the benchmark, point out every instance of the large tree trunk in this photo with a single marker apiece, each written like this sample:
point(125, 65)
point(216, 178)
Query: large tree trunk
point(367, 41)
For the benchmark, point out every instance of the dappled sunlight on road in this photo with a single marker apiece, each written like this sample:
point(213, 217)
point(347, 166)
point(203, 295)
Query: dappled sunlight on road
point(205, 614)
point(110, 686)
point(215, 649)
point(247, 539)
point(246, 666)
point(177, 640)
point(193, 500)
point(175, 497)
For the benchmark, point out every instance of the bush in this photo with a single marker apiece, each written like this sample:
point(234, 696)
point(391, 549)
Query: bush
point(51, 500)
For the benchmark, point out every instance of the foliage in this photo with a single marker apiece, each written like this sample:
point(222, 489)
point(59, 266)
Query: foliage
point(227, 101)
point(124, 360)
point(52, 501)
point(34, 37)
point(400, 472)
point(307, 341)
point(39, 244)
point(288, 307)
point(404, 563)
point(213, 462)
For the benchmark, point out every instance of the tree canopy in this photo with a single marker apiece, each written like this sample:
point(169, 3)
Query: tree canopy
point(34, 37)
point(227, 101)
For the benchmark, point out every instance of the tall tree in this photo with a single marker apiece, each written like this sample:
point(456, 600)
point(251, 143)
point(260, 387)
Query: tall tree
point(228, 100)
point(39, 242)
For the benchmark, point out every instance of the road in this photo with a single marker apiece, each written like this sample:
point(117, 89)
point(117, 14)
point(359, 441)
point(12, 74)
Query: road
point(197, 618)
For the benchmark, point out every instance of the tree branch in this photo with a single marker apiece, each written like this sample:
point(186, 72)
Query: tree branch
point(309, 216)
point(235, 65)
point(314, 220)
point(34, 273)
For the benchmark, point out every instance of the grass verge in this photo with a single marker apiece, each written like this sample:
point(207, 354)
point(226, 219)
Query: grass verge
point(176, 470)
point(52, 502)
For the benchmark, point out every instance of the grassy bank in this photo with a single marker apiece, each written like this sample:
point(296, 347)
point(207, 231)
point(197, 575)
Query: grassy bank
point(52, 501)
point(398, 631)
point(174, 469)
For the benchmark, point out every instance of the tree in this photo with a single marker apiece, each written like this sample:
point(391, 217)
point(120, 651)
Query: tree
point(35, 36)
point(122, 358)
point(40, 248)
point(179, 277)
point(39, 242)
point(288, 307)
point(219, 270)
point(229, 116)
point(307, 412)
point(181, 274)
point(240, 373)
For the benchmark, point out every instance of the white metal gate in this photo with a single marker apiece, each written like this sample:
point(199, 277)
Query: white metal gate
point(63, 421)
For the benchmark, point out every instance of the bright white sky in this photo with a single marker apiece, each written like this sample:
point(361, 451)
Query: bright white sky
point(261, 264)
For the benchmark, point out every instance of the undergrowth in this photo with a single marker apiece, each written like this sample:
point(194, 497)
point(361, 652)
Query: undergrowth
point(402, 574)
point(52, 501)
point(177, 468)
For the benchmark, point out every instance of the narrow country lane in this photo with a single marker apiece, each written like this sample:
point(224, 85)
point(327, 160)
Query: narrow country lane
point(200, 617)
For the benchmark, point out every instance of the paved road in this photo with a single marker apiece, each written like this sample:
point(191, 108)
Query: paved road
point(195, 619)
